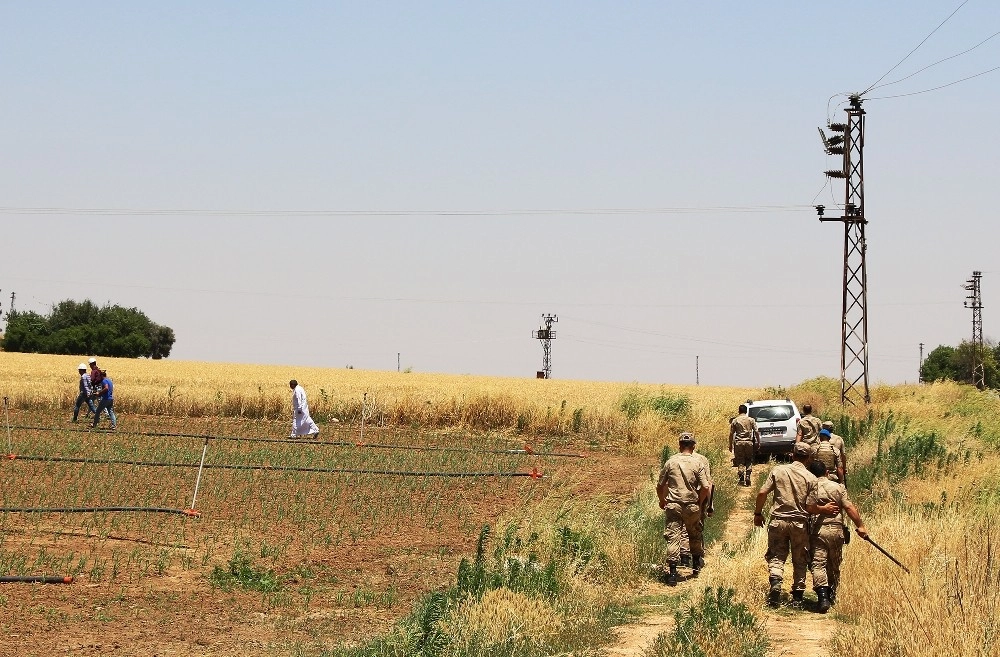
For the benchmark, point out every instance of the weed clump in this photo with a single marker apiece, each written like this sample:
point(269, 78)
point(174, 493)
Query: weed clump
point(715, 626)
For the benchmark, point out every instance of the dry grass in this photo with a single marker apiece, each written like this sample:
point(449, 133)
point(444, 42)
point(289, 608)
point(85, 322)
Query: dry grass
point(941, 523)
point(515, 406)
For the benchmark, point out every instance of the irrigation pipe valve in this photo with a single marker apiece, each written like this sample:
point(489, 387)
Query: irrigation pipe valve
point(536, 474)
point(528, 450)
point(191, 513)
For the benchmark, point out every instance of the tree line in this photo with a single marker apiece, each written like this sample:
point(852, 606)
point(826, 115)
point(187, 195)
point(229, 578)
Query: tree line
point(85, 328)
point(956, 363)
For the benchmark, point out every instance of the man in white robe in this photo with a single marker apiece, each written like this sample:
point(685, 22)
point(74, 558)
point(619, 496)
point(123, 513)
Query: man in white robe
point(302, 423)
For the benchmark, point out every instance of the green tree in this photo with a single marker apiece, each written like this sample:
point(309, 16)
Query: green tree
point(939, 365)
point(956, 363)
point(85, 328)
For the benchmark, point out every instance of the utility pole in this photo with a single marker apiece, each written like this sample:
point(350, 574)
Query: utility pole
point(397, 361)
point(849, 140)
point(546, 336)
point(975, 301)
point(920, 368)
point(11, 309)
point(697, 377)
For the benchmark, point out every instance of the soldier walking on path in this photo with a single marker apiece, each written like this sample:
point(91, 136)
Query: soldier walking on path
point(829, 455)
point(744, 437)
point(838, 442)
point(787, 533)
point(682, 489)
point(707, 509)
point(807, 428)
point(828, 532)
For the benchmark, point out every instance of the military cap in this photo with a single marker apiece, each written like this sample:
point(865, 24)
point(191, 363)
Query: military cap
point(802, 449)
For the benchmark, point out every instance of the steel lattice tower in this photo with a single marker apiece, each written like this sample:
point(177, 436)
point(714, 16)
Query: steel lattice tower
point(850, 142)
point(975, 301)
point(546, 336)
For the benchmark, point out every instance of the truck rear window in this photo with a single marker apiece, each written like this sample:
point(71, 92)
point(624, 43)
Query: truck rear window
point(772, 413)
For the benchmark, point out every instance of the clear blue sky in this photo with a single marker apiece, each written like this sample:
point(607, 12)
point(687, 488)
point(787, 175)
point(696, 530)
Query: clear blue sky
point(499, 108)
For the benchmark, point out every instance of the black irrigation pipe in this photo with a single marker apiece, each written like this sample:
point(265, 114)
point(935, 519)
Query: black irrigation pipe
point(100, 509)
point(36, 579)
point(329, 443)
point(534, 474)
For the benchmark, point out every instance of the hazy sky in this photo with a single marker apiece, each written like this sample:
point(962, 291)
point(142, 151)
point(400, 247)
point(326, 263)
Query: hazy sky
point(530, 117)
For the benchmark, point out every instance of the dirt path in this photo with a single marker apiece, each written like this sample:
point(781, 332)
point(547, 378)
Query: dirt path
point(634, 639)
point(792, 634)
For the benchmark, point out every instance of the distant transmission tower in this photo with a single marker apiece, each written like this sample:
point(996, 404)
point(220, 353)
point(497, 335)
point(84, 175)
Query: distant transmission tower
point(849, 141)
point(975, 301)
point(546, 335)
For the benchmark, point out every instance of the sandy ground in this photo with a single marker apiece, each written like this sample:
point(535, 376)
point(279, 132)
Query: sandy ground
point(178, 612)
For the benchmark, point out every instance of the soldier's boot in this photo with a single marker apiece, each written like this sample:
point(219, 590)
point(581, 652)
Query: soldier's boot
point(686, 559)
point(697, 565)
point(797, 598)
point(774, 593)
point(749, 479)
point(823, 599)
point(672, 575)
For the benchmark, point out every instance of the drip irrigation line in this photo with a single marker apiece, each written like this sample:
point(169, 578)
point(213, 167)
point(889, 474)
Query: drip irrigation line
point(36, 579)
point(99, 509)
point(534, 474)
point(324, 443)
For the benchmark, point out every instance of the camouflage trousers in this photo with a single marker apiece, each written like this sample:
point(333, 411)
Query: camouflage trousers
point(678, 517)
point(786, 537)
point(827, 552)
point(743, 454)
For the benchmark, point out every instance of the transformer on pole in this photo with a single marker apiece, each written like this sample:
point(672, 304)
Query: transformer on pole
point(975, 302)
point(546, 335)
point(849, 140)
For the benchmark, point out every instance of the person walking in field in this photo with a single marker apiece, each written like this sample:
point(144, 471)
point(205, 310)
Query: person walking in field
point(683, 489)
point(706, 512)
point(807, 428)
point(86, 391)
point(302, 422)
point(106, 400)
point(95, 371)
point(829, 455)
point(744, 437)
point(838, 442)
point(788, 533)
point(828, 532)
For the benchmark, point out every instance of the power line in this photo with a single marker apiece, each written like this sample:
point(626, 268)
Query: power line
point(940, 61)
point(914, 49)
point(720, 209)
point(924, 91)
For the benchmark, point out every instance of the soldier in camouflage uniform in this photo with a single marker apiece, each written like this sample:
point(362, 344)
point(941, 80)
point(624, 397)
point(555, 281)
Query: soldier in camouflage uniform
point(744, 437)
point(706, 512)
point(807, 428)
point(787, 533)
point(828, 532)
point(838, 442)
point(682, 489)
point(829, 455)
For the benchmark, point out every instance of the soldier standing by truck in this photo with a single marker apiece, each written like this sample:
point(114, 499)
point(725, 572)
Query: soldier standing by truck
point(744, 437)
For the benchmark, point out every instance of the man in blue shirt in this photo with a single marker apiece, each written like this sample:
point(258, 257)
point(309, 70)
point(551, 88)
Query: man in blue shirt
point(85, 394)
point(107, 401)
